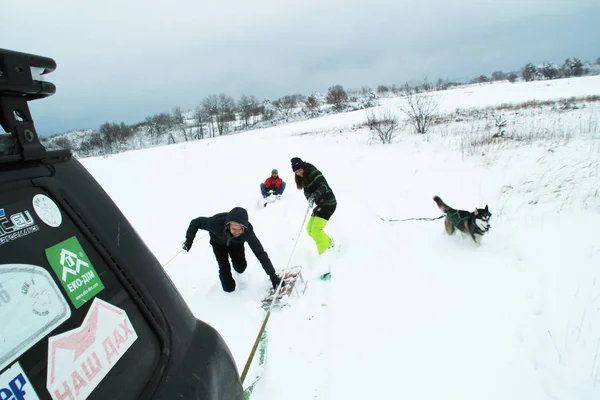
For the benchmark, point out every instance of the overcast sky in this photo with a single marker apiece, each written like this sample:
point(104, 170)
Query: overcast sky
point(128, 59)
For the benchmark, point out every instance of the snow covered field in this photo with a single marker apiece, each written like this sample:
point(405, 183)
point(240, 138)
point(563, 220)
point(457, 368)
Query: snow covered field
point(409, 312)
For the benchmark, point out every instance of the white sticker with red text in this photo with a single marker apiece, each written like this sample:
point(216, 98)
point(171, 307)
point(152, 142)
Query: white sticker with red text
point(79, 359)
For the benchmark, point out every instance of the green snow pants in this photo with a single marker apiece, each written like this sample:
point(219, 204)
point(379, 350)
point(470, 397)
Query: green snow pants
point(316, 223)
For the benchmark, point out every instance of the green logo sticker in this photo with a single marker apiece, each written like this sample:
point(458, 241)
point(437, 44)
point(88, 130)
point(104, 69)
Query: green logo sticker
point(75, 271)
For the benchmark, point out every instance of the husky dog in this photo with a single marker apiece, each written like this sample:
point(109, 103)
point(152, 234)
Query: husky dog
point(475, 224)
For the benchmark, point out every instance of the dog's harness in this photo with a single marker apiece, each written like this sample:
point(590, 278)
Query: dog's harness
point(456, 216)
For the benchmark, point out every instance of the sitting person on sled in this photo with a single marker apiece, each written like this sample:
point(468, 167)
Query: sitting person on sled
point(274, 185)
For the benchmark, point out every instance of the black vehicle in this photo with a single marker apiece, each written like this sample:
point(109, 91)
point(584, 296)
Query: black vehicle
point(86, 310)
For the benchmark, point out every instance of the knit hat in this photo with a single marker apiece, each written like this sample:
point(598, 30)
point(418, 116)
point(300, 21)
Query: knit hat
point(274, 172)
point(297, 164)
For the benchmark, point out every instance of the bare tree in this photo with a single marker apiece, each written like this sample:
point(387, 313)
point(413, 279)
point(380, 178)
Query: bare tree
point(108, 134)
point(225, 113)
point(257, 110)
point(424, 86)
point(312, 106)
point(498, 76)
point(125, 132)
point(385, 125)
point(337, 96)
point(91, 143)
point(480, 79)
point(248, 107)
point(62, 142)
point(382, 89)
point(210, 107)
point(549, 70)
point(268, 110)
point(152, 130)
point(165, 122)
point(287, 104)
point(114, 134)
point(420, 108)
point(199, 119)
point(158, 126)
point(529, 72)
point(439, 84)
point(311, 102)
point(572, 67)
point(179, 121)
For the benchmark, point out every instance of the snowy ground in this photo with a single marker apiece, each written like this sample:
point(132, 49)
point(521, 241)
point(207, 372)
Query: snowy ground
point(409, 313)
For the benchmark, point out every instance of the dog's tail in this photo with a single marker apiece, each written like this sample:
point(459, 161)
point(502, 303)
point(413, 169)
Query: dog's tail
point(441, 204)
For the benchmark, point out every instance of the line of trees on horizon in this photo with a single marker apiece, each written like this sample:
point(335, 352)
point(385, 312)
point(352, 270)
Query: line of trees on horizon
point(220, 114)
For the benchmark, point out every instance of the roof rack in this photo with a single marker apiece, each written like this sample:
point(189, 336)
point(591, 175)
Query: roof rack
point(17, 87)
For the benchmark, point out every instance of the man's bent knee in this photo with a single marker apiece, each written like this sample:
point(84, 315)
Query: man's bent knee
point(240, 267)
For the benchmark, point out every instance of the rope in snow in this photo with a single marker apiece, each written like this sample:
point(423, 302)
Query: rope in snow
point(411, 219)
point(264, 324)
point(179, 252)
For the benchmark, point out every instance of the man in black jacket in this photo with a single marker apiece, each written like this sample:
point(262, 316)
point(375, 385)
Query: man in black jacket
point(228, 231)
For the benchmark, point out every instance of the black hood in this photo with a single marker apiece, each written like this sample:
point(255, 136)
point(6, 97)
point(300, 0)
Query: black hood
point(239, 215)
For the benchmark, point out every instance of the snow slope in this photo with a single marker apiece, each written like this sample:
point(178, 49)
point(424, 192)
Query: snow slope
point(409, 312)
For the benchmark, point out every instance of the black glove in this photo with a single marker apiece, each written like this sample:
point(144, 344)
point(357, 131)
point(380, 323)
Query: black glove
point(311, 200)
point(187, 245)
point(275, 281)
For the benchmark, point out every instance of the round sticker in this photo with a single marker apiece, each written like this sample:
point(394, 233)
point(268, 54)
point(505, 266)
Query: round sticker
point(47, 210)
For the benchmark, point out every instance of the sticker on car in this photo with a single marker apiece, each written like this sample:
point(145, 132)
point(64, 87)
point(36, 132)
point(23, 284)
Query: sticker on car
point(16, 225)
point(79, 359)
point(14, 385)
point(31, 306)
point(75, 271)
point(47, 210)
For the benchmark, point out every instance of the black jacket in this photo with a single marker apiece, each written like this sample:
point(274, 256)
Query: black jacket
point(220, 234)
point(317, 186)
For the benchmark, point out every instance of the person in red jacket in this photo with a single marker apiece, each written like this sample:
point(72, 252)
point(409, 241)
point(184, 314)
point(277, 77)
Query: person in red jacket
point(273, 185)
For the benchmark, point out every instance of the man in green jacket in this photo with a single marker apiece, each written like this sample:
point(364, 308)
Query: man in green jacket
point(317, 192)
